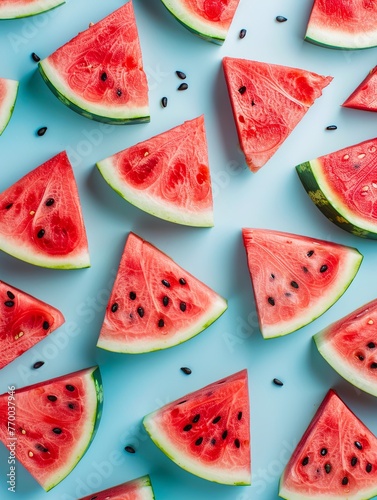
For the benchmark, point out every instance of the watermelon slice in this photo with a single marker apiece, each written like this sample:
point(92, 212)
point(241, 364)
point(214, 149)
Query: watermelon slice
point(13, 9)
point(349, 345)
point(340, 24)
point(8, 96)
point(335, 459)
point(207, 432)
point(295, 278)
point(52, 423)
point(210, 19)
point(268, 101)
point(167, 176)
point(137, 489)
point(99, 73)
point(343, 185)
point(24, 321)
point(364, 97)
point(41, 220)
point(155, 303)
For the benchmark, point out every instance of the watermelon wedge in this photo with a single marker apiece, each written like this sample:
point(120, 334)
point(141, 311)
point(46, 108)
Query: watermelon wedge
point(207, 432)
point(268, 101)
point(52, 423)
point(99, 73)
point(8, 96)
point(210, 20)
point(343, 186)
point(335, 459)
point(340, 24)
point(349, 345)
point(155, 303)
point(295, 278)
point(24, 321)
point(13, 9)
point(364, 97)
point(136, 489)
point(167, 176)
point(41, 220)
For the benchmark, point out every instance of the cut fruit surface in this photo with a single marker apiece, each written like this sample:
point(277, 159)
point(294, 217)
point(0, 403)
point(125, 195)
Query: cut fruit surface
point(13, 9)
point(364, 97)
point(136, 489)
point(8, 96)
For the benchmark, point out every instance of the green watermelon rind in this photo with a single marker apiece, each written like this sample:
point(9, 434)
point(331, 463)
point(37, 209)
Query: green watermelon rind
point(103, 114)
point(326, 201)
point(143, 485)
point(28, 10)
point(8, 104)
point(157, 208)
point(194, 24)
point(333, 39)
point(292, 495)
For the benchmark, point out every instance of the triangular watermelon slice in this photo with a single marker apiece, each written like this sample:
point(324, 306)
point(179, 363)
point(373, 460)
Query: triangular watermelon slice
point(167, 176)
point(295, 278)
point(340, 24)
point(41, 220)
point(268, 101)
point(136, 489)
point(52, 423)
point(210, 19)
point(155, 303)
point(24, 321)
point(13, 9)
point(8, 96)
point(364, 97)
point(207, 432)
point(349, 345)
point(99, 73)
point(335, 459)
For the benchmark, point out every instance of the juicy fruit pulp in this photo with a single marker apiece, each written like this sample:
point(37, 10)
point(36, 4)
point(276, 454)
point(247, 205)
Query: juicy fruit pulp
point(136, 489)
point(364, 96)
point(349, 345)
point(13, 9)
point(207, 432)
point(99, 73)
point(24, 321)
point(335, 459)
point(167, 176)
point(343, 25)
point(268, 101)
point(41, 220)
point(155, 303)
point(343, 185)
point(295, 278)
point(8, 96)
point(55, 421)
point(210, 19)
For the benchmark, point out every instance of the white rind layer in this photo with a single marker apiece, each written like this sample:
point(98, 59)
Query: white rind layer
point(9, 11)
point(365, 494)
point(341, 40)
point(7, 105)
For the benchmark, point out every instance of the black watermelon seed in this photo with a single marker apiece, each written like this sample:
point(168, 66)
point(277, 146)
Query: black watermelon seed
point(94, 498)
point(35, 57)
point(239, 416)
point(71, 406)
point(360, 356)
point(10, 205)
point(288, 294)
point(9, 303)
point(252, 103)
point(242, 33)
point(216, 419)
point(49, 202)
point(181, 402)
point(345, 481)
point(272, 276)
point(371, 345)
point(199, 441)
point(305, 269)
point(132, 295)
point(52, 398)
point(327, 468)
point(213, 441)
point(140, 311)
point(104, 77)
point(324, 451)
point(196, 418)
point(305, 461)
point(11, 295)
point(119, 92)
point(271, 301)
point(368, 468)
point(294, 284)
point(242, 89)
point(224, 435)
point(57, 430)
point(182, 306)
point(237, 443)
point(353, 461)
point(183, 86)
point(331, 127)
point(186, 371)
point(129, 449)
point(187, 427)
point(46, 325)
point(181, 75)
point(276, 381)
point(41, 233)
point(165, 300)
point(70, 387)
point(38, 364)
point(323, 268)
point(165, 283)
point(40, 447)
point(310, 253)
point(358, 445)
point(41, 131)
point(281, 19)
point(182, 281)
point(114, 307)
point(373, 365)
point(164, 102)
point(161, 323)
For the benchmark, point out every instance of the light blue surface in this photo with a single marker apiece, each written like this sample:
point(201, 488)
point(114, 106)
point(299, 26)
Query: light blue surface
point(273, 198)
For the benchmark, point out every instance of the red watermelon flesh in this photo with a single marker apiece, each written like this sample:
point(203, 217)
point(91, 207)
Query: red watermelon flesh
point(207, 432)
point(335, 459)
point(8, 96)
point(54, 423)
point(167, 175)
point(24, 321)
point(350, 346)
point(155, 303)
point(41, 220)
point(268, 101)
point(295, 278)
point(13, 9)
point(364, 97)
point(136, 489)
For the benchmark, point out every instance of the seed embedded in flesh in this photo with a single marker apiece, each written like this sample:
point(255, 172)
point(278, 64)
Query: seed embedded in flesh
point(140, 311)
point(41, 233)
point(9, 303)
point(305, 269)
point(360, 357)
point(132, 295)
point(161, 323)
point(187, 427)
point(353, 461)
point(42, 448)
point(371, 345)
point(56, 430)
point(182, 306)
point(104, 77)
point(119, 92)
point(310, 253)
point(129, 449)
point(237, 443)
point(52, 398)
point(199, 441)
point(71, 406)
point(242, 33)
point(327, 468)
point(165, 283)
point(165, 300)
point(242, 89)
point(70, 387)
point(368, 468)
point(216, 419)
point(181, 75)
point(239, 416)
point(358, 445)
point(10, 205)
point(345, 481)
point(182, 281)
point(323, 268)
point(213, 441)
point(49, 202)
point(11, 295)
point(186, 370)
point(31, 454)
point(114, 307)
point(224, 434)
point(305, 461)
point(271, 301)
point(324, 451)
point(373, 365)
point(38, 364)
point(46, 325)
point(196, 418)
point(294, 284)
